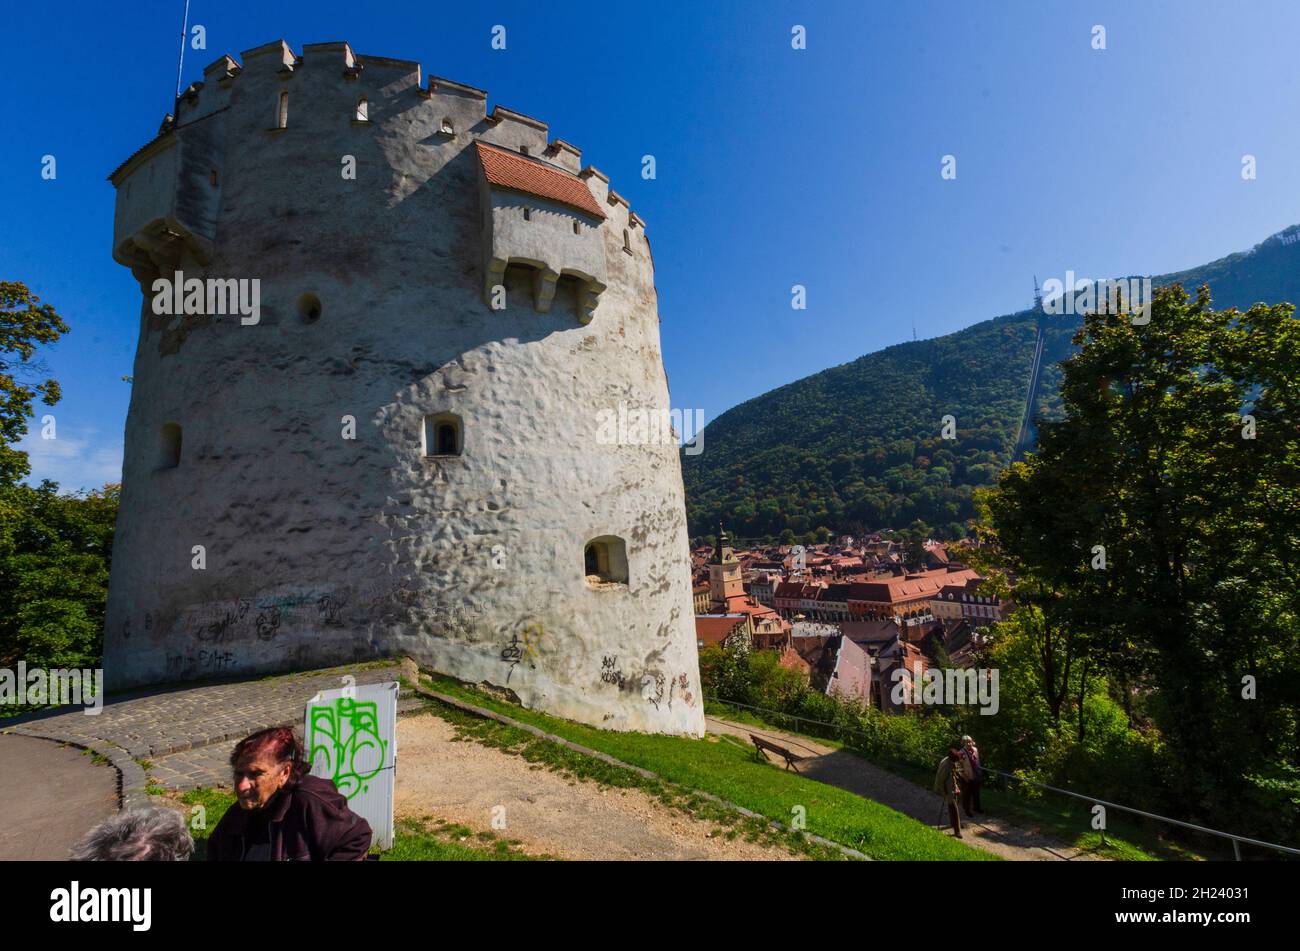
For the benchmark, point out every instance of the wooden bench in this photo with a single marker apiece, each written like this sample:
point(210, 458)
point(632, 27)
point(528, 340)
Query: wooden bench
point(762, 744)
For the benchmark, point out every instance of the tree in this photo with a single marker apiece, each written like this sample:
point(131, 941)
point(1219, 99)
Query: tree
point(54, 549)
point(1158, 525)
point(25, 323)
point(54, 562)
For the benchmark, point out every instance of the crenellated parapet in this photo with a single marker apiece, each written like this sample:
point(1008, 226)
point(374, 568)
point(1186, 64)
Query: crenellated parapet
point(540, 207)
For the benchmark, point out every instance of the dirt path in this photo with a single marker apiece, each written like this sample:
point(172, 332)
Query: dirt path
point(463, 781)
point(851, 772)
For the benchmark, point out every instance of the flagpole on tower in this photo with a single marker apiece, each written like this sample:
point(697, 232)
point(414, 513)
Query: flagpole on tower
point(185, 25)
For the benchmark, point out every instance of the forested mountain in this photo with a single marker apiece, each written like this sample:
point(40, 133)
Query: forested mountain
point(859, 446)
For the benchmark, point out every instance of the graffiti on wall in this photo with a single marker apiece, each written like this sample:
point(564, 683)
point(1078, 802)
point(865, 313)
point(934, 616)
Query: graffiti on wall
point(198, 663)
point(655, 687)
point(682, 687)
point(652, 687)
point(610, 673)
point(523, 650)
point(262, 617)
point(345, 745)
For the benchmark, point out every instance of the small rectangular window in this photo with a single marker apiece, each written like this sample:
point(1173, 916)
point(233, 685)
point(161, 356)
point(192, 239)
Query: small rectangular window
point(443, 435)
point(282, 112)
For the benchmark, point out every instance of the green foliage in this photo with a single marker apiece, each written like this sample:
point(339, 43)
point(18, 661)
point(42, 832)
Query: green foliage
point(54, 549)
point(1111, 761)
point(25, 323)
point(757, 680)
point(1200, 526)
point(54, 563)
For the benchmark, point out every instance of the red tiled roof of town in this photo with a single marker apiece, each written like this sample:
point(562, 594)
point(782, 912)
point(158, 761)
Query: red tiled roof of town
point(952, 592)
point(791, 660)
point(875, 632)
point(837, 592)
point(520, 173)
point(914, 656)
point(743, 604)
point(713, 629)
point(909, 586)
point(788, 589)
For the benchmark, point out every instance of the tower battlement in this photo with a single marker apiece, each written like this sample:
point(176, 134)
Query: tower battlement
point(405, 451)
point(170, 219)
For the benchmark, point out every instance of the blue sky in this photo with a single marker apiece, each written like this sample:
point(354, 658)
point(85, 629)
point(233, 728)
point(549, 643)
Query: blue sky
point(775, 167)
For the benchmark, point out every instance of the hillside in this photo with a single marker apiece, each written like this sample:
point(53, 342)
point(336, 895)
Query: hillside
point(858, 446)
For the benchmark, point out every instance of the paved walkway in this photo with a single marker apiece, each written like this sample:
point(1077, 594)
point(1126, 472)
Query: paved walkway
point(184, 730)
point(849, 771)
point(50, 796)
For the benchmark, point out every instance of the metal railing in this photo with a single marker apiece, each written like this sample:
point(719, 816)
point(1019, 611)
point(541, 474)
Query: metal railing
point(1236, 839)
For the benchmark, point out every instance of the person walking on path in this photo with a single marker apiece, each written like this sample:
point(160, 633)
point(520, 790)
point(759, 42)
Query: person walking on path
point(971, 779)
point(946, 785)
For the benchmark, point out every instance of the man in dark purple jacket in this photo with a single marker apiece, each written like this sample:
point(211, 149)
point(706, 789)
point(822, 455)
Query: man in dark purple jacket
point(282, 814)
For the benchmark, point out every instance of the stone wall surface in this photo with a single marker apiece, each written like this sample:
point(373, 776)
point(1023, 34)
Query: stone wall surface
point(321, 549)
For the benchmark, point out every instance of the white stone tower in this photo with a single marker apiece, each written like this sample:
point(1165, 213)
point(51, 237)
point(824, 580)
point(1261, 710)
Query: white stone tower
point(403, 455)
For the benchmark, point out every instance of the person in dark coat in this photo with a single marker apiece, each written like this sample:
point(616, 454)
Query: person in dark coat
point(280, 813)
point(946, 785)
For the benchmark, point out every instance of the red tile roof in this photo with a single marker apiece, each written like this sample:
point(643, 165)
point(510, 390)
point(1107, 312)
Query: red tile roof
point(506, 169)
point(912, 586)
point(791, 660)
point(714, 628)
point(744, 604)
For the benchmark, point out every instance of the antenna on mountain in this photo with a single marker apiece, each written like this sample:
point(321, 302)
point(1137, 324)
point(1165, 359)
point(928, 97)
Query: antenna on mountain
point(185, 26)
point(913, 330)
point(1038, 295)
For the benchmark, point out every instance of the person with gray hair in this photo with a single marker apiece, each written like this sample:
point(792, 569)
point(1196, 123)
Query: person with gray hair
point(137, 835)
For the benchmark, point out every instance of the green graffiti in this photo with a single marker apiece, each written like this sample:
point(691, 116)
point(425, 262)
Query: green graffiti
point(344, 744)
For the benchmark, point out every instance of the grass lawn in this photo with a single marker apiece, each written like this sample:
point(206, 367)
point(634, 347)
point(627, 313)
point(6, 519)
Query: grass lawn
point(729, 770)
point(1070, 820)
